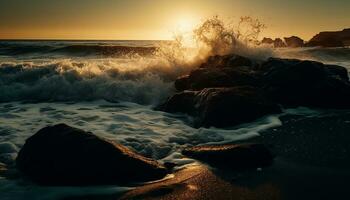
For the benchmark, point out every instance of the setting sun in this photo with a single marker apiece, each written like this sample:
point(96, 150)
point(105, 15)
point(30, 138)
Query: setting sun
point(186, 24)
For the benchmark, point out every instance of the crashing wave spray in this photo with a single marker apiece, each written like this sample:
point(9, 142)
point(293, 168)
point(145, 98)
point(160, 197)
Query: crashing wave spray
point(144, 78)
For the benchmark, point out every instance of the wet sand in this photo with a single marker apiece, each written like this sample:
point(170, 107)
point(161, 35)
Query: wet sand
point(283, 180)
point(311, 163)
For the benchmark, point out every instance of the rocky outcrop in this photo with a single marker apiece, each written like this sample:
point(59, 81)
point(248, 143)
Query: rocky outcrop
point(62, 155)
point(228, 61)
point(331, 39)
point(220, 71)
point(217, 77)
point(267, 41)
point(241, 156)
point(294, 41)
point(225, 91)
point(278, 43)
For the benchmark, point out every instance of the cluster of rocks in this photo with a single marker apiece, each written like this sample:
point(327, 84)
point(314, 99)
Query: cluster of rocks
point(292, 41)
point(224, 91)
point(322, 39)
point(229, 90)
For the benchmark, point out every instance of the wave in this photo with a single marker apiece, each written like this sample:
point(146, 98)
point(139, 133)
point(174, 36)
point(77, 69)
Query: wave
point(340, 54)
point(140, 80)
point(130, 71)
point(80, 50)
point(86, 50)
point(336, 56)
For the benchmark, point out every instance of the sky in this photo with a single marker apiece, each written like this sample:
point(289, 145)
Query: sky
point(158, 19)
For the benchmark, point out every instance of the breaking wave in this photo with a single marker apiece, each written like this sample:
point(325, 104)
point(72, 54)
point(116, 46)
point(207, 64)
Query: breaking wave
point(67, 80)
point(68, 49)
point(135, 71)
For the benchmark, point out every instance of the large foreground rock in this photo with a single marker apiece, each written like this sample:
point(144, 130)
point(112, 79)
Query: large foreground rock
point(62, 155)
point(222, 107)
point(241, 156)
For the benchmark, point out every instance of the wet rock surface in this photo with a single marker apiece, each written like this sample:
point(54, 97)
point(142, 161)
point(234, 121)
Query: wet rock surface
point(215, 92)
point(63, 155)
point(222, 107)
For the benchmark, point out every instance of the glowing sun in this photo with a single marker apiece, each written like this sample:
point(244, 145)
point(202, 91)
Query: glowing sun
point(185, 24)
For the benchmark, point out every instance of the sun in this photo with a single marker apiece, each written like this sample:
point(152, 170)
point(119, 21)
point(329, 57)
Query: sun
point(184, 27)
point(185, 23)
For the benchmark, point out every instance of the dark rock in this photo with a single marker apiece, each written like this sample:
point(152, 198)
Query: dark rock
point(180, 102)
point(337, 72)
point(267, 41)
point(62, 155)
point(306, 83)
point(170, 165)
point(221, 77)
point(230, 60)
point(331, 39)
point(222, 107)
point(241, 156)
point(279, 43)
point(215, 93)
point(220, 71)
point(182, 83)
point(294, 41)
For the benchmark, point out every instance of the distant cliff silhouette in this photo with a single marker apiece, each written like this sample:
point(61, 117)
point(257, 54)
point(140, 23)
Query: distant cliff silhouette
point(331, 39)
point(322, 39)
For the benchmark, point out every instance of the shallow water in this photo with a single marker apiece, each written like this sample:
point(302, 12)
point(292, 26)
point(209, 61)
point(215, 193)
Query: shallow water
point(111, 95)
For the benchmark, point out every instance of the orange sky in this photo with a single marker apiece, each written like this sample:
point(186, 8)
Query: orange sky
point(158, 19)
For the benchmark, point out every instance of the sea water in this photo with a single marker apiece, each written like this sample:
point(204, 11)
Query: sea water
point(110, 88)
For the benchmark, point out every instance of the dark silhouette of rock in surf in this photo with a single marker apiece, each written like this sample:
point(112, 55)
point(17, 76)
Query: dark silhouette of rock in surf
point(230, 61)
point(331, 39)
point(217, 77)
point(240, 156)
point(228, 90)
point(294, 41)
point(306, 83)
point(63, 155)
point(220, 71)
point(220, 107)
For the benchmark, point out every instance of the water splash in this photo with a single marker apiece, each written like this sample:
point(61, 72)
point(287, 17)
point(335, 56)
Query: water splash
point(115, 73)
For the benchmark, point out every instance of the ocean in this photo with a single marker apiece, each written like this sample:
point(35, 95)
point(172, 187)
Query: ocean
point(110, 88)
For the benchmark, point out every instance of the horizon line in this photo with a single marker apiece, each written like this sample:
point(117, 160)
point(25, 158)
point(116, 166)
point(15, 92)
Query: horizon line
point(60, 39)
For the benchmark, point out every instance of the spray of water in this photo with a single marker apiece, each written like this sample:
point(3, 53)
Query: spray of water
point(144, 78)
